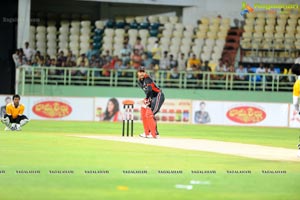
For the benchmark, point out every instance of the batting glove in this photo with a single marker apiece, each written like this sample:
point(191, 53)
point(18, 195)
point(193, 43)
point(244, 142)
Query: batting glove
point(147, 101)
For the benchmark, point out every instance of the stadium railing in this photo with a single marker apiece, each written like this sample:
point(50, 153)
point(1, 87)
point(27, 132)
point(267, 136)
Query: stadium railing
point(72, 76)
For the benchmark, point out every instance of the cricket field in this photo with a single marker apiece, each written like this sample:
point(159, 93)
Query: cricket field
point(53, 160)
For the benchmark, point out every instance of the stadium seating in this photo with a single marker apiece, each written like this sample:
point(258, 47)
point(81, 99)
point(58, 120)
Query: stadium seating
point(163, 19)
point(63, 37)
point(99, 24)
point(173, 19)
point(51, 41)
point(167, 33)
point(85, 35)
point(165, 41)
point(269, 32)
point(41, 39)
point(153, 19)
point(153, 32)
point(205, 40)
point(179, 27)
point(110, 23)
point(144, 25)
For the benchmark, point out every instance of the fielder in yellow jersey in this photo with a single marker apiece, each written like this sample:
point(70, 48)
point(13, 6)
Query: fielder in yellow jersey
point(14, 118)
point(296, 95)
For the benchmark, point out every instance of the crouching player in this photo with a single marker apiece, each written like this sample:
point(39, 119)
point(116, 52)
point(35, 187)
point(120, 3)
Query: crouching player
point(152, 103)
point(14, 118)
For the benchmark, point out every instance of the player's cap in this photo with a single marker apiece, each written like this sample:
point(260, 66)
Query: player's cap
point(141, 69)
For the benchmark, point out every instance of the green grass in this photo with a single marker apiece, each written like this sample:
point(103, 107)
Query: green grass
point(45, 145)
point(278, 137)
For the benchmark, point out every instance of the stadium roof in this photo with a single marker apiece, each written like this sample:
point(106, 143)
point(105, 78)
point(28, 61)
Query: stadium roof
point(154, 2)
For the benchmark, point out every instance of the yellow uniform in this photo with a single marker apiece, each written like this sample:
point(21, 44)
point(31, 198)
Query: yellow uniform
point(296, 88)
point(13, 111)
point(296, 93)
point(156, 51)
point(192, 62)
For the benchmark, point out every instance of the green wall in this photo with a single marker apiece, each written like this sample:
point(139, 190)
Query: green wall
point(199, 94)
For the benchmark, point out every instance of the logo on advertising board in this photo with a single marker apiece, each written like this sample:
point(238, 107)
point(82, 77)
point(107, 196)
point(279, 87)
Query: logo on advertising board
point(269, 8)
point(246, 8)
point(246, 114)
point(52, 109)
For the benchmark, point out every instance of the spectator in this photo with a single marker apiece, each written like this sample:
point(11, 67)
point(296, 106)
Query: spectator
point(164, 63)
point(241, 73)
point(107, 67)
point(136, 59)
point(192, 72)
point(194, 62)
point(138, 45)
point(173, 63)
point(37, 57)
point(28, 52)
point(273, 73)
point(125, 53)
point(95, 64)
point(155, 73)
point(126, 67)
point(221, 68)
point(248, 68)
point(41, 62)
point(93, 60)
point(97, 67)
point(47, 57)
point(230, 68)
point(126, 42)
point(47, 61)
point(147, 61)
point(83, 69)
point(52, 67)
point(33, 63)
point(107, 56)
point(113, 61)
point(118, 66)
point(22, 57)
point(181, 62)
point(205, 67)
point(16, 58)
point(82, 59)
point(71, 59)
point(60, 58)
point(63, 64)
point(156, 53)
point(174, 73)
point(91, 51)
point(261, 69)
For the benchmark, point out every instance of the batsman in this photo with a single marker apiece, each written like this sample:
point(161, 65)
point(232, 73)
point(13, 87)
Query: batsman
point(151, 104)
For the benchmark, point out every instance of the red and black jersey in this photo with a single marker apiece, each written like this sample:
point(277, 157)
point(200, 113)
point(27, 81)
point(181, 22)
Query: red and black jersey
point(149, 87)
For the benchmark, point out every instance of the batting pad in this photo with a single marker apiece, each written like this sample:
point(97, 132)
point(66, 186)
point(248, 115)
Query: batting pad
point(151, 122)
point(144, 120)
